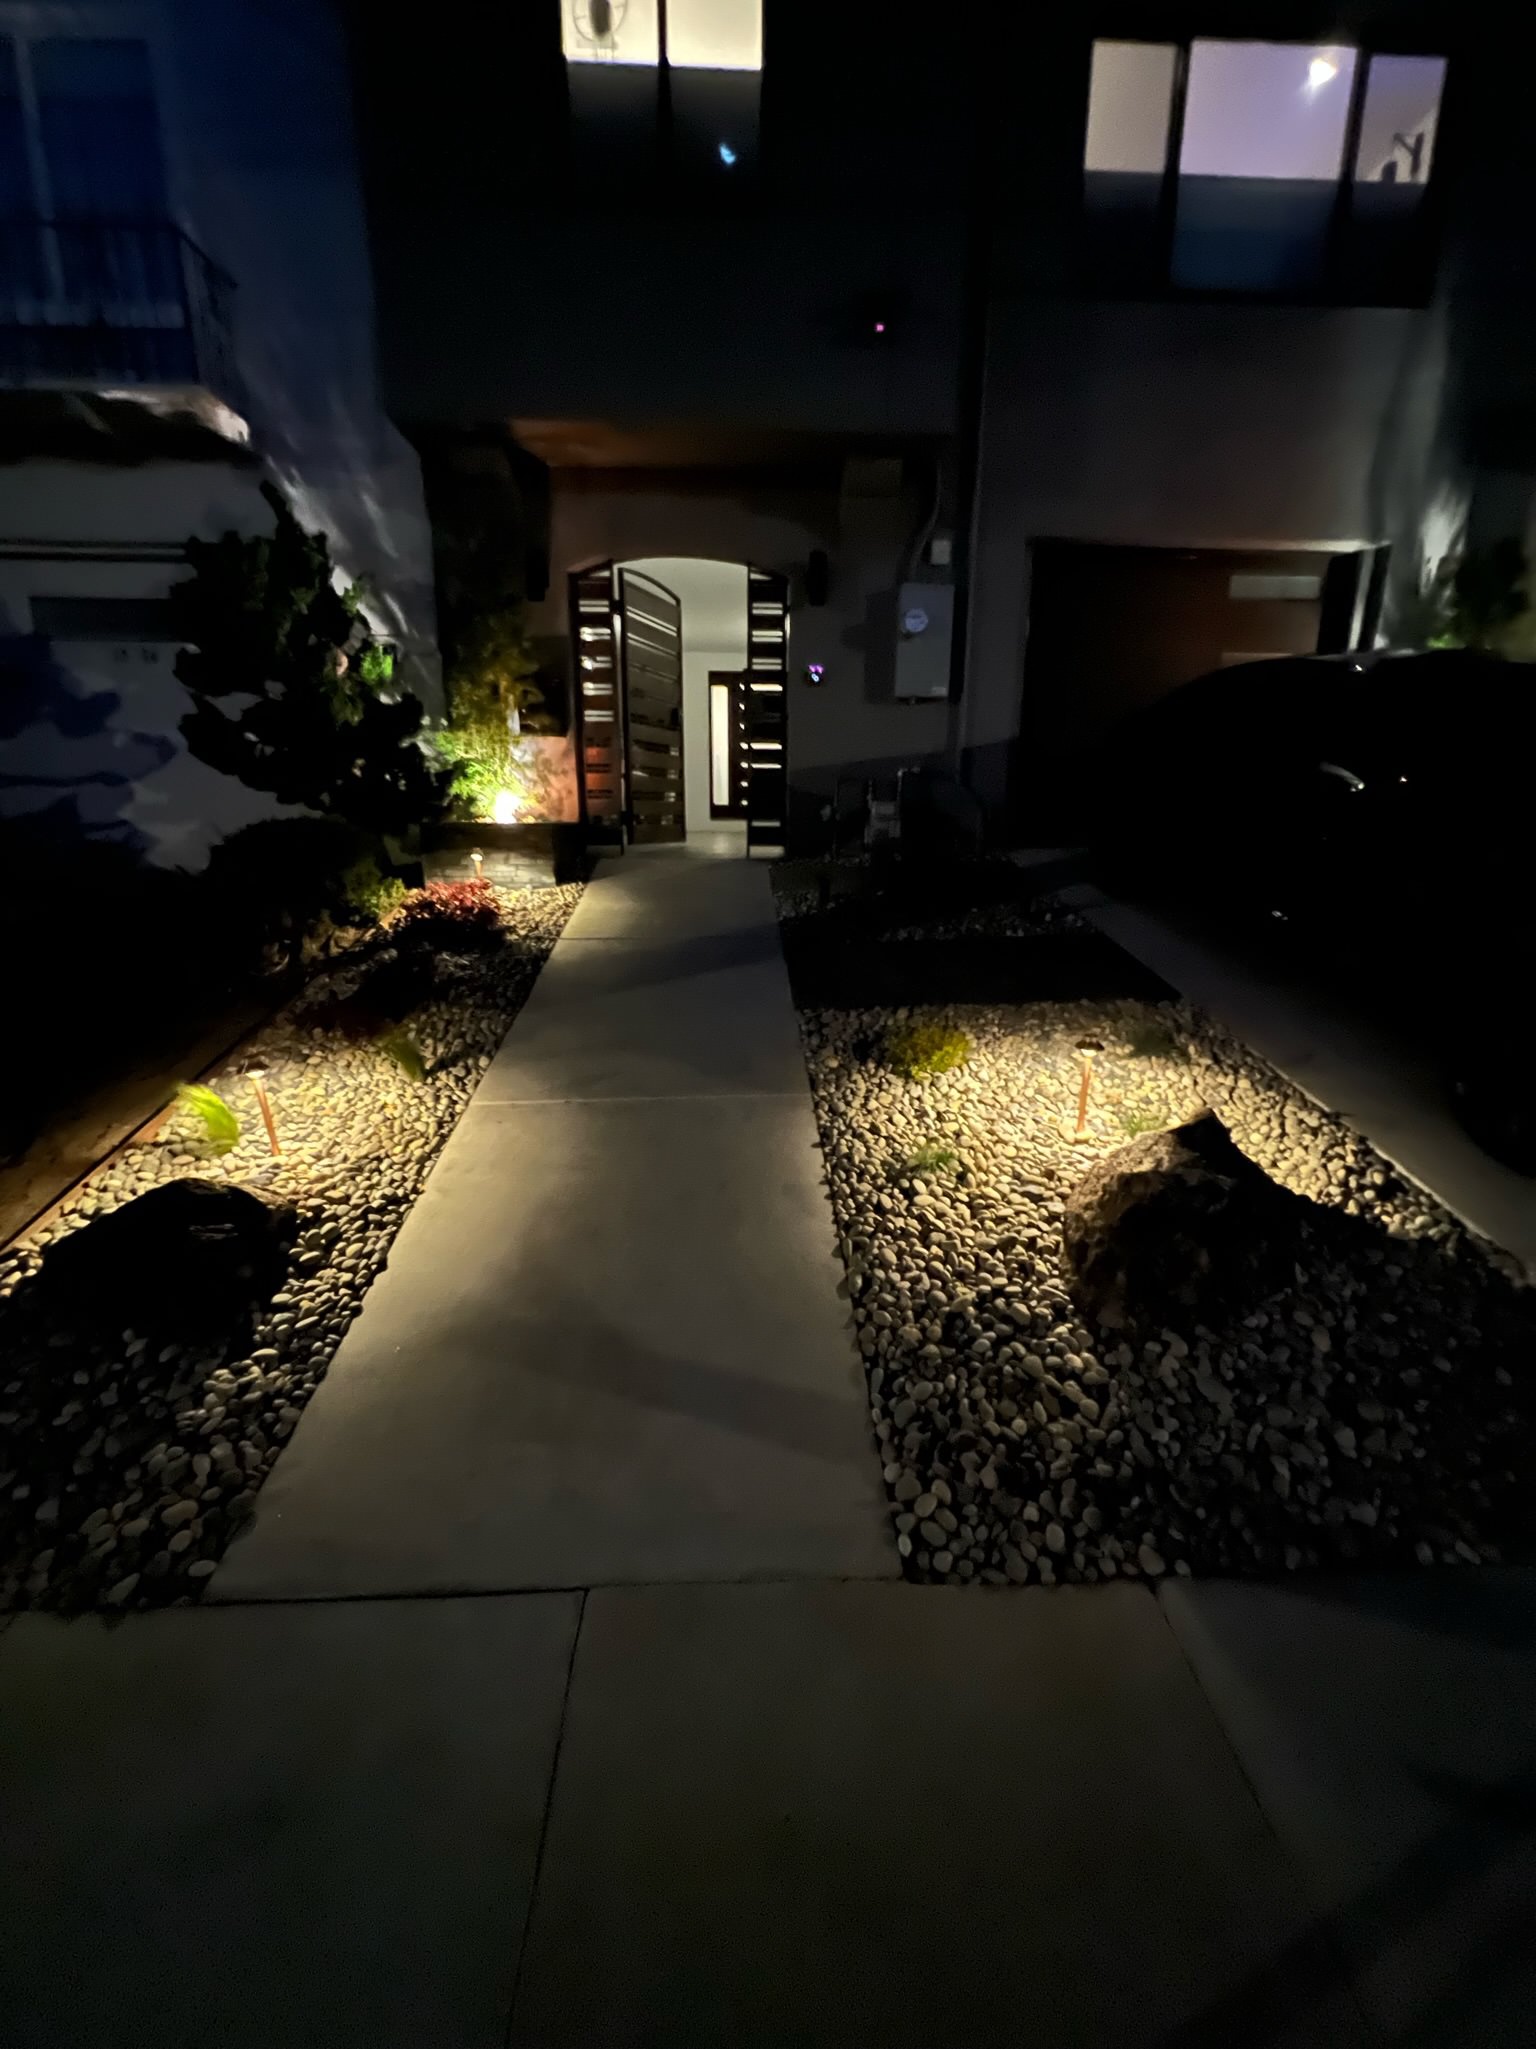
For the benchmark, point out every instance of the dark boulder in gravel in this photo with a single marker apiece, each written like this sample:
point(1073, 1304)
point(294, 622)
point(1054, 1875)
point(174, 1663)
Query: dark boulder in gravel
point(1177, 1223)
point(188, 1257)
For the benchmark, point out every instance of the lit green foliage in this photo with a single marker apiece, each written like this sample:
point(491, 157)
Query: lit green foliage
point(401, 1046)
point(1152, 1038)
point(221, 1127)
point(479, 523)
point(491, 680)
point(376, 666)
point(930, 1159)
point(1480, 599)
point(368, 893)
point(1137, 1123)
point(921, 1049)
point(317, 726)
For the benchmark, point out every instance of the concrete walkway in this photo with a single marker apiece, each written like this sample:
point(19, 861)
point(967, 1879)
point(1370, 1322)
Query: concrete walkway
point(608, 1345)
point(772, 1796)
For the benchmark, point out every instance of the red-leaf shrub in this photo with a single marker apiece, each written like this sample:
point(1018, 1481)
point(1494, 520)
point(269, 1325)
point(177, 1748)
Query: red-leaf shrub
point(449, 917)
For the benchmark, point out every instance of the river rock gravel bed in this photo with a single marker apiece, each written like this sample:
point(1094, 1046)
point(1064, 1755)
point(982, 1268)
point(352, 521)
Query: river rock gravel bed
point(127, 1467)
point(1378, 1411)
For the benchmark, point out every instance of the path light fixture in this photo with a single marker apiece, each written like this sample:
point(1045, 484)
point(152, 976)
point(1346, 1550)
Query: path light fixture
point(256, 1075)
point(477, 862)
point(1086, 1048)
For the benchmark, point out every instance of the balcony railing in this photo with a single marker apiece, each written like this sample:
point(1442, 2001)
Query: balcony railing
point(103, 305)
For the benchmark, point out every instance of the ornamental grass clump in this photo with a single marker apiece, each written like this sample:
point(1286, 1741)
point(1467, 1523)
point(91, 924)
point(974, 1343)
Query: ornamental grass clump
point(915, 1050)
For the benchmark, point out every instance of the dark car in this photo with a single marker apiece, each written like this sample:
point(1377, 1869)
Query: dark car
point(1374, 810)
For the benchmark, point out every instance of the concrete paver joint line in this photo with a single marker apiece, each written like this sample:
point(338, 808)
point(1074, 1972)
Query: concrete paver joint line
point(549, 1801)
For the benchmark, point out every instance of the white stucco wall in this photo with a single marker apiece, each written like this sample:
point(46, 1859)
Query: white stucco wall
point(261, 166)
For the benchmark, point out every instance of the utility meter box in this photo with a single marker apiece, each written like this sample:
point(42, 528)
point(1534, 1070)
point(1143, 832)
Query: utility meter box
point(925, 631)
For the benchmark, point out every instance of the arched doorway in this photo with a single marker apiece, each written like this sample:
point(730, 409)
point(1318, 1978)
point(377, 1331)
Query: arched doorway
point(680, 725)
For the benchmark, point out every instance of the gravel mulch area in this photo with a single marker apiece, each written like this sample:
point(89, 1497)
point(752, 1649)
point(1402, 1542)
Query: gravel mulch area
point(1380, 1411)
point(125, 1470)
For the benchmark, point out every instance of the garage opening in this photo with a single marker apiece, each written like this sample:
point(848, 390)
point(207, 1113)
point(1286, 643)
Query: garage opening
point(1112, 629)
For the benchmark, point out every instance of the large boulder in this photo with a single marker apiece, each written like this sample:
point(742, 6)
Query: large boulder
point(1179, 1224)
point(188, 1257)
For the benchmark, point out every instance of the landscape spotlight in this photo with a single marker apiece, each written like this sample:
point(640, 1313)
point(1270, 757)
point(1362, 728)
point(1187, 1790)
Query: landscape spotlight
point(256, 1074)
point(1086, 1048)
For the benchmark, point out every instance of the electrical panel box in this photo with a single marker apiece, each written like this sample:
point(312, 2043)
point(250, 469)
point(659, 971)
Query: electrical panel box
point(925, 631)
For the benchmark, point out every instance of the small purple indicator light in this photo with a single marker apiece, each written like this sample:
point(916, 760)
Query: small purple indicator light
point(815, 672)
point(879, 327)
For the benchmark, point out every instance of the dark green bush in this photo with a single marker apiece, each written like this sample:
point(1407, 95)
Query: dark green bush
point(272, 883)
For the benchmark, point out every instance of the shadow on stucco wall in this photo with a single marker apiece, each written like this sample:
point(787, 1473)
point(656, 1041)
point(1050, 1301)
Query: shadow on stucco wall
point(63, 753)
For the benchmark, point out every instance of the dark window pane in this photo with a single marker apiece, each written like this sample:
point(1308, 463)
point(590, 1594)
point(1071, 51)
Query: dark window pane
point(101, 141)
point(16, 196)
point(100, 135)
point(1387, 254)
point(22, 269)
point(1259, 165)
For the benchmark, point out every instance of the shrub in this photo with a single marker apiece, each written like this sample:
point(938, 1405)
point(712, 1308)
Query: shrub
point(369, 895)
point(274, 882)
point(319, 721)
point(919, 1049)
point(449, 917)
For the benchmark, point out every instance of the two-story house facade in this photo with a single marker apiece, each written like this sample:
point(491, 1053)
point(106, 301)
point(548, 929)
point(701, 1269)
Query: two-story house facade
point(1015, 368)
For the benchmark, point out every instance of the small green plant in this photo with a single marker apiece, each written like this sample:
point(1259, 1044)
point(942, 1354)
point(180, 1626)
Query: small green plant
point(920, 1049)
point(929, 1159)
point(1152, 1038)
point(368, 893)
point(1137, 1123)
point(1480, 599)
point(376, 666)
point(221, 1127)
point(401, 1046)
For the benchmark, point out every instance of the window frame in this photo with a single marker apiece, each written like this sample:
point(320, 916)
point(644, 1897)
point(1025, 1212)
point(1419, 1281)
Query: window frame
point(1333, 287)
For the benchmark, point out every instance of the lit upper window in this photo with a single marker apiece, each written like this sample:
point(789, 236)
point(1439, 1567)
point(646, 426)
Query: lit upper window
point(1266, 110)
point(610, 31)
point(1129, 103)
point(1239, 181)
point(702, 35)
point(715, 35)
point(1398, 120)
